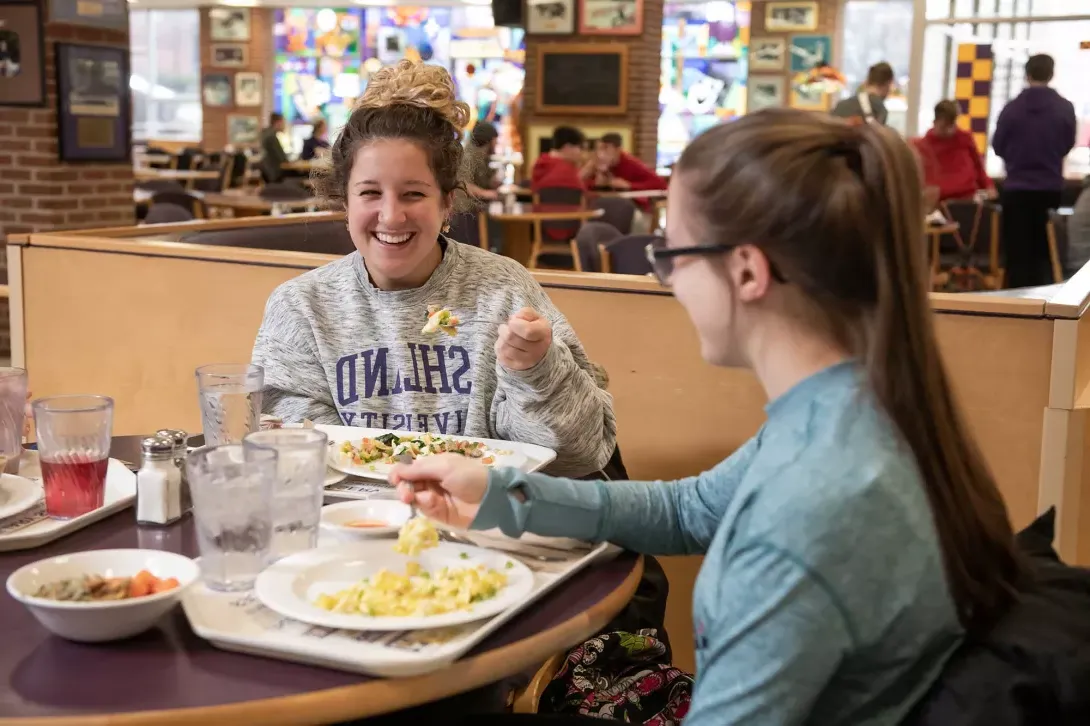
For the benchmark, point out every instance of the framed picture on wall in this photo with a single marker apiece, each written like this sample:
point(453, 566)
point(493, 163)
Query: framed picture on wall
point(93, 119)
point(22, 55)
point(809, 51)
point(110, 14)
point(791, 17)
point(550, 17)
point(229, 24)
point(230, 56)
point(248, 89)
point(243, 130)
point(813, 99)
point(216, 89)
point(765, 91)
point(767, 54)
point(610, 17)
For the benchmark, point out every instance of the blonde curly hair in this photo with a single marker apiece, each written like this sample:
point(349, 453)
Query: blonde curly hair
point(417, 84)
point(412, 101)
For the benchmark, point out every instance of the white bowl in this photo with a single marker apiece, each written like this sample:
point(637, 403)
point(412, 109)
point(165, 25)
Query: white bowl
point(391, 513)
point(97, 622)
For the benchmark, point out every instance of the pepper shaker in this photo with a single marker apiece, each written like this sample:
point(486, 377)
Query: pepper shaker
point(158, 483)
point(181, 451)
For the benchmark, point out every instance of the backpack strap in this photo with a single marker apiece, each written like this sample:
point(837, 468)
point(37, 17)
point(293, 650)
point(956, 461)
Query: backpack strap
point(868, 110)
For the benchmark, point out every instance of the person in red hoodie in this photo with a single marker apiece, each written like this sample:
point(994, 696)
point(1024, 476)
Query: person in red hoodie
point(620, 170)
point(563, 166)
point(951, 160)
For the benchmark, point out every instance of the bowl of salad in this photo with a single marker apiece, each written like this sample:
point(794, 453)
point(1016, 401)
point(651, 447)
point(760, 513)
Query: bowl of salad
point(102, 595)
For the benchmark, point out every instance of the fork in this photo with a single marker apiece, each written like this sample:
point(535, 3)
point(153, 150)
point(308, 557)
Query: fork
point(406, 458)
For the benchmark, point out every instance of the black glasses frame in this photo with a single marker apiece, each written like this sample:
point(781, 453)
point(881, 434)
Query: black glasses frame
point(661, 259)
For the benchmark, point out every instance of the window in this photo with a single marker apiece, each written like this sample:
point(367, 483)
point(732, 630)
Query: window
point(875, 31)
point(166, 74)
point(1013, 42)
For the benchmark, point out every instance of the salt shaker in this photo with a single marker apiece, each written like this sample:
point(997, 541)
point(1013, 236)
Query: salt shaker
point(181, 451)
point(158, 483)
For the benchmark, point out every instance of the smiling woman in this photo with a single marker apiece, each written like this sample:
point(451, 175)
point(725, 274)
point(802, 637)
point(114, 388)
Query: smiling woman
point(343, 344)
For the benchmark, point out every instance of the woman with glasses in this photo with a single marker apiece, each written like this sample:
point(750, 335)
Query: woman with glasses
point(858, 537)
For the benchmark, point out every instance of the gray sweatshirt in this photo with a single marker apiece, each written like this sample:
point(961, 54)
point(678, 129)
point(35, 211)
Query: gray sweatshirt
point(338, 350)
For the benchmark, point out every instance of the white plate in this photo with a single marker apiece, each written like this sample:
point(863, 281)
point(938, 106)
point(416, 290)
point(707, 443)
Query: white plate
point(332, 476)
point(17, 494)
point(335, 518)
point(291, 585)
point(506, 453)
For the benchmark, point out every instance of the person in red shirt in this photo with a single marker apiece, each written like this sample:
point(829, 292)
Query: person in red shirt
point(620, 170)
point(951, 160)
point(563, 166)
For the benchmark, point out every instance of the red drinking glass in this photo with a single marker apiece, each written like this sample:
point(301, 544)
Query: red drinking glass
point(74, 435)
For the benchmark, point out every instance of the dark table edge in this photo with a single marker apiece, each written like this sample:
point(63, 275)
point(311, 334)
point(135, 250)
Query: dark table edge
point(381, 696)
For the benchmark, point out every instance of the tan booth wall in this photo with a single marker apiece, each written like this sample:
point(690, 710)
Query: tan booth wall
point(133, 318)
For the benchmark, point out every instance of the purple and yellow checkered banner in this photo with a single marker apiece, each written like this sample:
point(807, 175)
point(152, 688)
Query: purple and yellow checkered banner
point(973, 91)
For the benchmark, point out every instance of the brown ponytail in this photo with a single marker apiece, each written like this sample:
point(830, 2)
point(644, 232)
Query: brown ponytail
point(839, 211)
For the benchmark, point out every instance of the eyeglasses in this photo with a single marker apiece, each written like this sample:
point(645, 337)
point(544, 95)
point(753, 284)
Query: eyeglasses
point(662, 259)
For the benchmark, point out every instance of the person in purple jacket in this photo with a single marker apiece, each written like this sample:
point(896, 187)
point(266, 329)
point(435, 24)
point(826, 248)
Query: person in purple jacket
point(1035, 132)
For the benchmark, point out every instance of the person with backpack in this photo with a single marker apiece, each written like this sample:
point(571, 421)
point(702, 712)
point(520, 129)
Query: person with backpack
point(869, 105)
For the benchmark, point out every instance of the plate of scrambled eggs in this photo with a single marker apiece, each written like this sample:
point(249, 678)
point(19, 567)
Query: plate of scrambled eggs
point(370, 586)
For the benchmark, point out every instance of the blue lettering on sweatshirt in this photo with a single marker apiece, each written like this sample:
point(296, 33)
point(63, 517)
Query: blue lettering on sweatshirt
point(370, 374)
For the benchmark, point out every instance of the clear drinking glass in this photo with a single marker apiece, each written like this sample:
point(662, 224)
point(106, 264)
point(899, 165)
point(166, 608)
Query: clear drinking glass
point(299, 487)
point(74, 449)
point(232, 498)
point(230, 398)
point(12, 414)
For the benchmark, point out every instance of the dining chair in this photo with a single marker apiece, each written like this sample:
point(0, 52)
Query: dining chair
point(617, 211)
point(190, 158)
point(159, 185)
point(558, 237)
point(590, 237)
point(217, 163)
point(628, 255)
point(165, 213)
point(470, 228)
point(283, 190)
point(1057, 244)
point(528, 699)
point(193, 205)
point(157, 151)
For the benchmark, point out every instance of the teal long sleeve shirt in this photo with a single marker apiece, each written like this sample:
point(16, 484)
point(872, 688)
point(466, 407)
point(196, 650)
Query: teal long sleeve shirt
point(822, 598)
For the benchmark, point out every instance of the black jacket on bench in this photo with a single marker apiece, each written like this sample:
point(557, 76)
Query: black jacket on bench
point(1033, 668)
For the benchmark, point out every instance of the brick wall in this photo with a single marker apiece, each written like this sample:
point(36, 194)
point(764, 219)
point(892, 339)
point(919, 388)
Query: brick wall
point(644, 63)
point(828, 19)
point(37, 191)
point(259, 59)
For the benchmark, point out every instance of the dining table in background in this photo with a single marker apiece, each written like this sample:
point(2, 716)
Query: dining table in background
point(187, 176)
point(169, 675)
point(141, 160)
point(246, 202)
point(300, 165)
point(518, 220)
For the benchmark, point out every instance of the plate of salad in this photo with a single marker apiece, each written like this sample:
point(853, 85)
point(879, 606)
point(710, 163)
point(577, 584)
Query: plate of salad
point(373, 456)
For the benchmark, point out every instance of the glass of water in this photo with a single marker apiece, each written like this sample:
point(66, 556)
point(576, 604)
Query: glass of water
point(232, 512)
point(12, 410)
point(230, 396)
point(299, 488)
